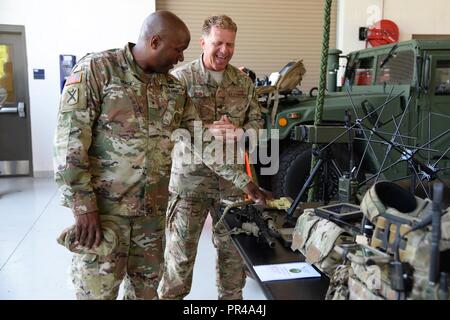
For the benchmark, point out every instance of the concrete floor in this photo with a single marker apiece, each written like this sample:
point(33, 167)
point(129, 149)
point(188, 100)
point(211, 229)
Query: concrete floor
point(34, 266)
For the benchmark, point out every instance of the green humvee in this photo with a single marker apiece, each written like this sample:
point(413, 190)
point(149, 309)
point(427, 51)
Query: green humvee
point(399, 97)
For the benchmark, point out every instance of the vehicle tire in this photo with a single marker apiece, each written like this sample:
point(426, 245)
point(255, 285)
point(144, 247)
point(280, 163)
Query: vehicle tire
point(295, 166)
point(295, 163)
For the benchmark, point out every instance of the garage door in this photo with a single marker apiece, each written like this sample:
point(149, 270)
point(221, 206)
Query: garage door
point(270, 33)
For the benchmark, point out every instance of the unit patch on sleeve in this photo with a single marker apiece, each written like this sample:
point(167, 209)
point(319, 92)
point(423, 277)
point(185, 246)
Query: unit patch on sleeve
point(72, 96)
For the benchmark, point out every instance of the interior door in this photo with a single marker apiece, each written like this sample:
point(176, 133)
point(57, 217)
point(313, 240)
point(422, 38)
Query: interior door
point(15, 133)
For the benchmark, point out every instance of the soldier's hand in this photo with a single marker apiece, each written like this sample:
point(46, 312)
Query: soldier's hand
point(88, 230)
point(256, 194)
point(225, 129)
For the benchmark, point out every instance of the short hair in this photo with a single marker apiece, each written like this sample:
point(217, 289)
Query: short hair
point(219, 21)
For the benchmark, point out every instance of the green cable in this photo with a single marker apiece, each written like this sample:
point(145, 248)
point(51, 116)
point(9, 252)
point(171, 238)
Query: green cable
point(321, 93)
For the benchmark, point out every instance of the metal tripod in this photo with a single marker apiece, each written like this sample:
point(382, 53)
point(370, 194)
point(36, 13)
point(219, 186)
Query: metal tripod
point(325, 161)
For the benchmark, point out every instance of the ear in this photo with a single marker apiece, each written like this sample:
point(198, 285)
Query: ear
point(155, 41)
point(202, 42)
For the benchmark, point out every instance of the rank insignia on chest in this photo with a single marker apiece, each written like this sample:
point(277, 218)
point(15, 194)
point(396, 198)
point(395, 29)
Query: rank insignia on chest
point(169, 113)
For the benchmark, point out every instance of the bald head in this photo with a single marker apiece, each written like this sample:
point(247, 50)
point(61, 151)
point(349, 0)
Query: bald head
point(162, 23)
point(161, 43)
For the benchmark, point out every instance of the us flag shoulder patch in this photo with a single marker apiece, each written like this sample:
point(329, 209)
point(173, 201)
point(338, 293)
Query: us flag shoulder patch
point(74, 78)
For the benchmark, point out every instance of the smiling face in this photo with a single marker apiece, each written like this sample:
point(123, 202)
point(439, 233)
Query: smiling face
point(218, 48)
point(169, 50)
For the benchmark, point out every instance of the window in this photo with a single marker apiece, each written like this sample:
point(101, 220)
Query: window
point(363, 72)
point(442, 78)
point(6, 74)
point(399, 69)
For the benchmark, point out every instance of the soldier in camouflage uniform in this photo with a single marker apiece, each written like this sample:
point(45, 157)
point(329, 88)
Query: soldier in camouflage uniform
point(225, 95)
point(113, 156)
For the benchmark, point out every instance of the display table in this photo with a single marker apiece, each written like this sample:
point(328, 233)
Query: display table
point(254, 253)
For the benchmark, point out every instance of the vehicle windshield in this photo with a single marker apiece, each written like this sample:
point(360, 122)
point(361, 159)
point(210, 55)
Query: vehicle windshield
point(396, 71)
point(388, 57)
point(362, 74)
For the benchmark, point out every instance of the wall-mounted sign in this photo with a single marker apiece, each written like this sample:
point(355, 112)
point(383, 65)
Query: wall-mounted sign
point(39, 74)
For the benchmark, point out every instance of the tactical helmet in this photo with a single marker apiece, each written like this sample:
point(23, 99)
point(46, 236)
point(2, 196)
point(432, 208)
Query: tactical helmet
point(386, 195)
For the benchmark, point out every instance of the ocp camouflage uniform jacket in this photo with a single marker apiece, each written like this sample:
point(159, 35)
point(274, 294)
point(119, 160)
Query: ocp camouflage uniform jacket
point(113, 145)
point(235, 97)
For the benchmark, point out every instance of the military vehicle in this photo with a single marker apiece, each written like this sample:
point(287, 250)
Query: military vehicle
point(398, 102)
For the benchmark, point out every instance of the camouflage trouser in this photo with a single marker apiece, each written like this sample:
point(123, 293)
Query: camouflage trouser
point(136, 260)
point(185, 220)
